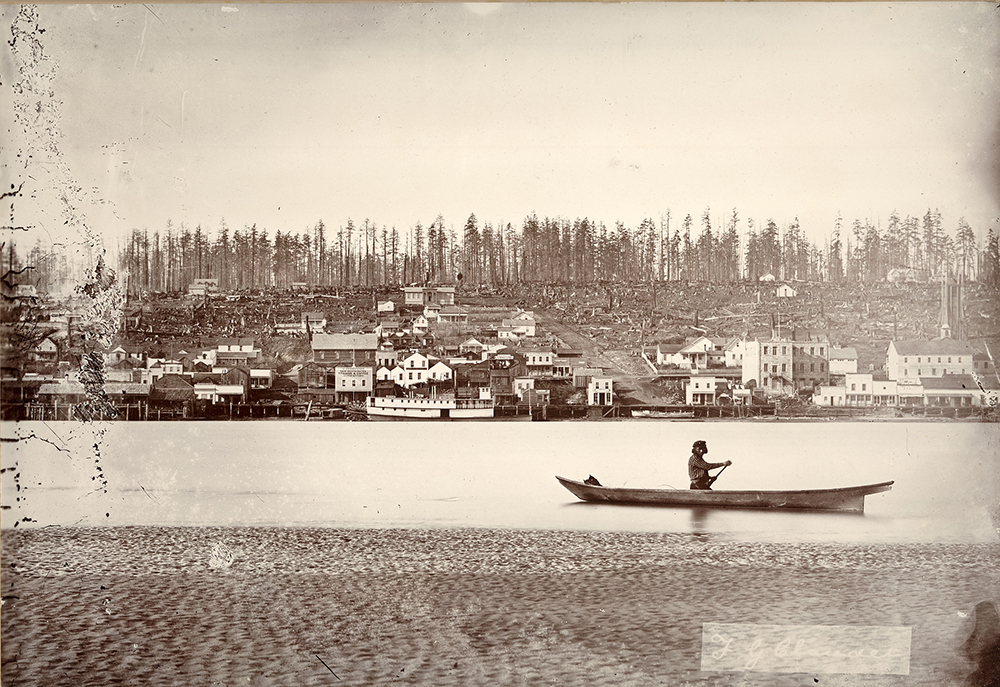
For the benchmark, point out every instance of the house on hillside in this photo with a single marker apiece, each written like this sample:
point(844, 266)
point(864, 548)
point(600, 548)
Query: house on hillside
point(421, 325)
point(522, 324)
point(452, 314)
point(472, 346)
point(507, 333)
point(785, 291)
point(669, 354)
point(313, 321)
point(45, 351)
point(418, 296)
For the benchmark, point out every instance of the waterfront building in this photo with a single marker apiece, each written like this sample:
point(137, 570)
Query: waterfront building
point(352, 382)
point(785, 366)
point(827, 395)
point(705, 390)
point(908, 361)
point(600, 391)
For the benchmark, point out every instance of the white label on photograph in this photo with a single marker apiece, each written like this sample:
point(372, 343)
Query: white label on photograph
point(741, 647)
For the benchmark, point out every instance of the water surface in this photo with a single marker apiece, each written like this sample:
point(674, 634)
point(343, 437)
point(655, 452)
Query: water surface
point(500, 475)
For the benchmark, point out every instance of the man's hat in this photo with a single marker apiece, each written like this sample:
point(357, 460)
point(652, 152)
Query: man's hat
point(699, 443)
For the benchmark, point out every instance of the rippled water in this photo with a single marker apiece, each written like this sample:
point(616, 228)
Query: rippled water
point(500, 475)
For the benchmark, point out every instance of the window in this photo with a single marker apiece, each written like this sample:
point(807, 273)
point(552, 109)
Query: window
point(354, 382)
point(918, 370)
point(784, 349)
point(411, 376)
point(812, 367)
point(949, 358)
point(939, 358)
point(696, 385)
point(906, 360)
point(918, 359)
point(821, 350)
point(782, 367)
point(812, 350)
point(933, 371)
point(863, 387)
point(853, 387)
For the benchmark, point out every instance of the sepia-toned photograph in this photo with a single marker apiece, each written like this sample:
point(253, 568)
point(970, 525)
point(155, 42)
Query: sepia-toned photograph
point(519, 343)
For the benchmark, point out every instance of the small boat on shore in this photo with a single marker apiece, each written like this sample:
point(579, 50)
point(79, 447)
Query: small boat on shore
point(663, 414)
point(846, 499)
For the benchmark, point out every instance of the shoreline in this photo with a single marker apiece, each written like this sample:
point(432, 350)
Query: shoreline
point(258, 605)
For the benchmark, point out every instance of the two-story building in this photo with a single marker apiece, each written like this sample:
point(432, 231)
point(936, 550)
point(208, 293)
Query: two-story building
point(538, 361)
point(860, 390)
point(600, 391)
point(233, 352)
point(784, 366)
point(704, 390)
point(908, 361)
point(768, 365)
point(353, 382)
point(843, 360)
point(522, 323)
point(344, 348)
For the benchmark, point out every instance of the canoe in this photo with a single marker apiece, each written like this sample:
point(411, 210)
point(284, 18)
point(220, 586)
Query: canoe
point(846, 499)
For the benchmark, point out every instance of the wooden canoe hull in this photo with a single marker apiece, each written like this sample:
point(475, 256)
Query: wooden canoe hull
point(846, 499)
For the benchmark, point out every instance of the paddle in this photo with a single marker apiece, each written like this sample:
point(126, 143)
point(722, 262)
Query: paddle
point(711, 480)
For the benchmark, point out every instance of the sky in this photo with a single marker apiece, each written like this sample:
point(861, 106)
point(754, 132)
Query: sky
point(282, 115)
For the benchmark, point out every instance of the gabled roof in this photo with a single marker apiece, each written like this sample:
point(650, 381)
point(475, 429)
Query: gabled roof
point(933, 347)
point(669, 348)
point(341, 342)
point(171, 388)
point(62, 387)
point(126, 388)
point(848, 353)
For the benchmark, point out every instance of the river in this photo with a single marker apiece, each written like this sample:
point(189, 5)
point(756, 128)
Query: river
point(499, 475)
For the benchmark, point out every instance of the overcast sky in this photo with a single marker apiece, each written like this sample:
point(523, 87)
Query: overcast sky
point(286, 114)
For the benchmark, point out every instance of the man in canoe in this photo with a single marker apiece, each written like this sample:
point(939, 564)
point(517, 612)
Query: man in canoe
point(698, 467)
